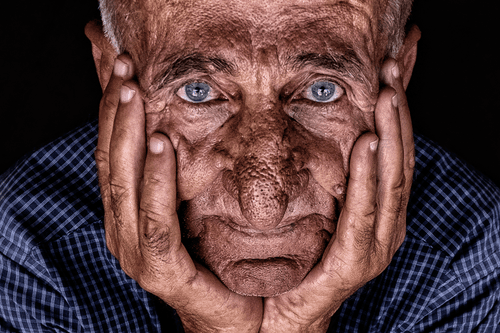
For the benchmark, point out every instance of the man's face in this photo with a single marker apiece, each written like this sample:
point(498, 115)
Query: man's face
point(263, 103)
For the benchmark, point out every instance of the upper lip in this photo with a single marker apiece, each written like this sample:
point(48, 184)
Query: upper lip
point(286, 226)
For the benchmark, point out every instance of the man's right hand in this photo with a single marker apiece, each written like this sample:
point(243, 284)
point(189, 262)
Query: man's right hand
point(138, 189)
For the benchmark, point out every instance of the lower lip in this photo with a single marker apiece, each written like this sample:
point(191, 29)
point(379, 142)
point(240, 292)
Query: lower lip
point(261, 264)
point(295, 241)
point(264, 277)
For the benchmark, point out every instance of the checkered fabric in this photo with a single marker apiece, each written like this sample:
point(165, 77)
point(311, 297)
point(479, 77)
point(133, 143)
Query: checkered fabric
point(56, 274)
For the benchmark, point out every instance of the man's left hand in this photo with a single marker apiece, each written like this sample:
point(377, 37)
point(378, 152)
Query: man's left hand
point(371, 226)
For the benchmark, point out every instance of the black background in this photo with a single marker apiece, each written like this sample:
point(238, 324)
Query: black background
point(49, 84)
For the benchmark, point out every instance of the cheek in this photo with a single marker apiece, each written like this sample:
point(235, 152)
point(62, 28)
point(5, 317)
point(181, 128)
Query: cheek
point(335, 130)
point(197, 168)
point(326, 165)
point(197, 165)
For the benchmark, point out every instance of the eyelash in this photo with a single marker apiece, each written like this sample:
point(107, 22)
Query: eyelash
point(305, 93)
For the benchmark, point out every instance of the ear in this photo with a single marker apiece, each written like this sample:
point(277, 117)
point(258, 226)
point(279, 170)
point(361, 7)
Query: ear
point(103, 52)
point(408, 54)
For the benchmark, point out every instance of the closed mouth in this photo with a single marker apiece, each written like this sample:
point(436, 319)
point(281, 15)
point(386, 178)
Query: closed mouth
point(288, 226)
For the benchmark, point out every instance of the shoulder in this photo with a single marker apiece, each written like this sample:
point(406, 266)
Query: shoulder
point(50, 193)
point(453, 208)
point(453, 238)
point(53, 256)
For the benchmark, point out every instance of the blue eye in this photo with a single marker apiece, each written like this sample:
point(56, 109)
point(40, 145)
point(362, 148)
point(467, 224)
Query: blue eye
point(323, 92)
point(196, 92)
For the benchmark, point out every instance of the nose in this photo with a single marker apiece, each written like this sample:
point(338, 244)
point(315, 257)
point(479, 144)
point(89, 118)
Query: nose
point(261, 190)
point(264, 178)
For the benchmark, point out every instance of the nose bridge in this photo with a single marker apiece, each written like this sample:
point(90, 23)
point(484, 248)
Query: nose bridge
point(263, 120)
point(263, 167)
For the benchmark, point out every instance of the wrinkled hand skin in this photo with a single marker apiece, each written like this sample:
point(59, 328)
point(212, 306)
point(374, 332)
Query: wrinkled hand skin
point(138, 187)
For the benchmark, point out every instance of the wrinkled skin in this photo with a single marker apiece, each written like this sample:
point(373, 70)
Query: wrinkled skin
point(262, 172)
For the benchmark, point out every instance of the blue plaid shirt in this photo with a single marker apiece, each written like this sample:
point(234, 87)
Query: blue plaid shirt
point(56, 274)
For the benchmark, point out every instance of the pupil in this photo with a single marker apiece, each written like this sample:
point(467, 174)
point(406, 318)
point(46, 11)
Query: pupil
point(322, 90)
point(197, 91)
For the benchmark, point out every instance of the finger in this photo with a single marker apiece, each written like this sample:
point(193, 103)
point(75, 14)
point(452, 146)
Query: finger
point(391, 75)
point(168, 270)
point(107, 112)
point(355, 229)
point(127, 153)
point(122, 70)
point(159, 222)
point(331, 281)
point(390, 168)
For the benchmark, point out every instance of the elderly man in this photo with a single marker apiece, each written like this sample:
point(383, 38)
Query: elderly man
point(255, 162)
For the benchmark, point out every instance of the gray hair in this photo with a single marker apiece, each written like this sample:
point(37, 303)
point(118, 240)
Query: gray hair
point(109, 25)
point(392, 24)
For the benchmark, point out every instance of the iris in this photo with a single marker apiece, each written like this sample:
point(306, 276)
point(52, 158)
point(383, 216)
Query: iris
point(197, 91)
point(322, 90)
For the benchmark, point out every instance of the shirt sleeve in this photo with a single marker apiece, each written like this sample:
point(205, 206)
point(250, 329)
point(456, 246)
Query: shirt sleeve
point(30, 302)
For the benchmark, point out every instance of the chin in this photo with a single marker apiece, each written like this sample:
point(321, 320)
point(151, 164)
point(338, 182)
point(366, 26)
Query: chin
point(260, 263)
point(264, 278)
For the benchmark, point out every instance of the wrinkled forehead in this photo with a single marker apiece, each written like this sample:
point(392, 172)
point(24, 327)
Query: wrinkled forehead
point(244, 30)
point(254, 24)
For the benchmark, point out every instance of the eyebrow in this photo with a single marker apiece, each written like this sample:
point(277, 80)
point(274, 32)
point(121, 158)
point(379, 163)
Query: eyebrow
point(194, 62)
point(346, 63)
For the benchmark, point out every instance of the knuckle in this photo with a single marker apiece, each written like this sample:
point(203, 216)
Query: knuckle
point(154, 210)
point(102, 162)
point(119, 191)
point(118, 196)
point(362, 233)
point(109, 102)
point(391, 205)
point(363, 238)
point(389, 210)
point(155, 179)
point(157, 243)
point(361, 214)
point(101, 156)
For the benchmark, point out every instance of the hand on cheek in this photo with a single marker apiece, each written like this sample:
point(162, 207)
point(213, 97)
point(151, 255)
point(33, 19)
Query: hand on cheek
point(371, 226)
point(138, 188)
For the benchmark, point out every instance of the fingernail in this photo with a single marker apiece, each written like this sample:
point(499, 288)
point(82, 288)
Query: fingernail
point(126, 94)
point(339, 189)
point(120, 68)
point(395, 100)
point(374, 145)
point(395, 71)
point(156, 145)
